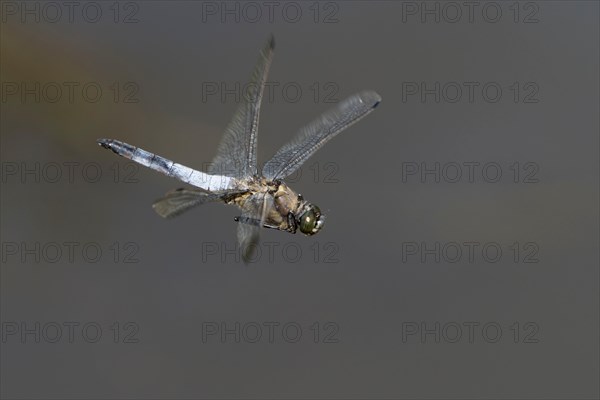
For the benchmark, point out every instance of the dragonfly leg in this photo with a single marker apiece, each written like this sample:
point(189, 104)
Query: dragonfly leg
point(292, 225)
point(253, 221)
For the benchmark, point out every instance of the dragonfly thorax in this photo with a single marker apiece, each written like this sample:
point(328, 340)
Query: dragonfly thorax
point(293, 212)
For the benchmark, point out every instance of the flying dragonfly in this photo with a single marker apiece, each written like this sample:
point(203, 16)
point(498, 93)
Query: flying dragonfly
point(233, 177)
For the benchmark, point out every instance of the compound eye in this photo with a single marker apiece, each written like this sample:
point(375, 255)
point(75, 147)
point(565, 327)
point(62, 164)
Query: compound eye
point(310, 221)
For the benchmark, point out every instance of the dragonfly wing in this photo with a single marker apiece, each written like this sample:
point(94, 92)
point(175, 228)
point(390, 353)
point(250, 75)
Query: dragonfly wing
point(236, 155)
point(313, 136)
point(255, 208)
point(180, 200)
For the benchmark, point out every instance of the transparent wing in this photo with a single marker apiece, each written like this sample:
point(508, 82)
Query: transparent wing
point(236, 155)
point(180, 200)
point(255, 209)
point(312, 137)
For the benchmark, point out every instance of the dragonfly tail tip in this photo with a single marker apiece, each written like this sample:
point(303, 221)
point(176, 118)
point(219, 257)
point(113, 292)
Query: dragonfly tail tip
point(107, 144)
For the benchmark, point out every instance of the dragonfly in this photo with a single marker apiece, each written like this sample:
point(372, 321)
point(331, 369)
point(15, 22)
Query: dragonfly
point(264, 199)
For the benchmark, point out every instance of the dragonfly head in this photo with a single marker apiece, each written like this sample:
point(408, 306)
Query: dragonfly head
point(311, 220)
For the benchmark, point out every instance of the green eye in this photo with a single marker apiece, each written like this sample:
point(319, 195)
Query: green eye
point(311, 221)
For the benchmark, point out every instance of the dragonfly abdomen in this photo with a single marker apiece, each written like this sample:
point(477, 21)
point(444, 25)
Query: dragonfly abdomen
point(168, 167)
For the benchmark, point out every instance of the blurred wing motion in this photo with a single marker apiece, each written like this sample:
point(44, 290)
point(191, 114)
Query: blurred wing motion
point(312, 137)
point(254, 214)
point(236, 155)
point(180, 200)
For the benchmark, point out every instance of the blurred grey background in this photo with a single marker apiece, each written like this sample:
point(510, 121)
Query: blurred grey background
point(379, 316)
